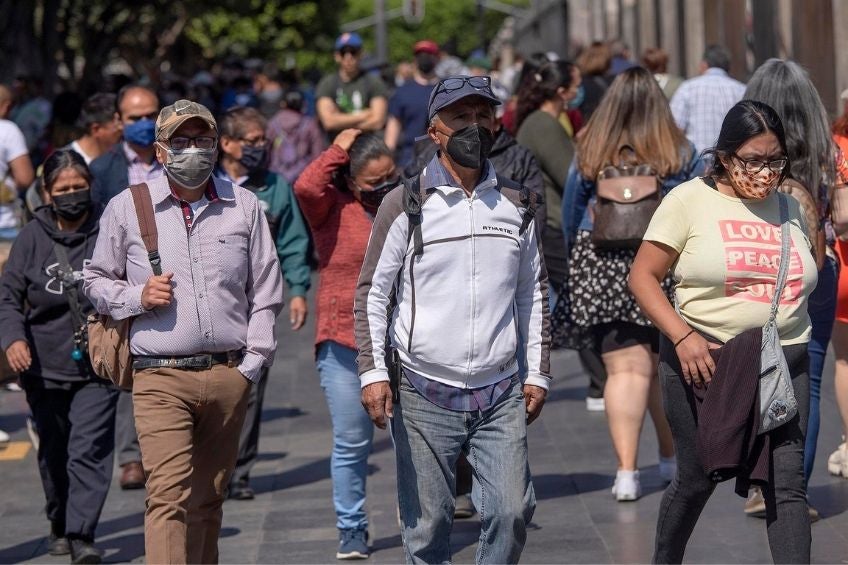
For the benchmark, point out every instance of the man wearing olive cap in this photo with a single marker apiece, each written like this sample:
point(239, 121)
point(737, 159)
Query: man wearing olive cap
point(470, 331)
point(202, 328)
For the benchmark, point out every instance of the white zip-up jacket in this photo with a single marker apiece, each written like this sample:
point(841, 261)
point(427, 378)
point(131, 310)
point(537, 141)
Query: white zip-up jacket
point(465, 305)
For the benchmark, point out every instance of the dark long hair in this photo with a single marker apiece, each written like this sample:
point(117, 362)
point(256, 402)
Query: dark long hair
point(365, 148)
point(786, 87)
point(60, 160)
point(542, 86)
point(747, 119)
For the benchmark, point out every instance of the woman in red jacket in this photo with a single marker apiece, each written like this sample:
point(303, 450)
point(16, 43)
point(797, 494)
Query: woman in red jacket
point(339, 194)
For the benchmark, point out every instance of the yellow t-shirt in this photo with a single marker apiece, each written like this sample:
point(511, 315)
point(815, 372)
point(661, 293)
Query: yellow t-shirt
point(729, 253)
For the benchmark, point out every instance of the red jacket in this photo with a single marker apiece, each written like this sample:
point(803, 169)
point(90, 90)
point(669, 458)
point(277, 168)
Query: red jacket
point(340, 228)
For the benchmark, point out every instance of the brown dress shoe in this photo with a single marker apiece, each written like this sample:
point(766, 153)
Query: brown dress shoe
point(132, 476)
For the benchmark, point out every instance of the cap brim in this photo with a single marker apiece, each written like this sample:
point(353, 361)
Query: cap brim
point(493, 100)
point(168, 129)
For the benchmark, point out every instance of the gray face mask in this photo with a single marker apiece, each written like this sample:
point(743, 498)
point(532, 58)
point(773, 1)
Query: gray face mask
point(191, 167)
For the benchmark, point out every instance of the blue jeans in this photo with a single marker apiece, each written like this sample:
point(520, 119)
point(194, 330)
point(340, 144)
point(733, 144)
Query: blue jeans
point(822, 309)
point(428, 441)
point(352, 433)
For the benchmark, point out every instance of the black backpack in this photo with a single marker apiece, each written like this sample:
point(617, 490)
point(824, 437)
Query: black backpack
point(414, 199)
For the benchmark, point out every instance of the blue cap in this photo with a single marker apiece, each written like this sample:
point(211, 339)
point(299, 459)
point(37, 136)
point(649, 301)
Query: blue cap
point(453, 89)
point(349, 40)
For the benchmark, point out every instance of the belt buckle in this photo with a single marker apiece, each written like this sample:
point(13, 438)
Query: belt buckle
point(206, 361)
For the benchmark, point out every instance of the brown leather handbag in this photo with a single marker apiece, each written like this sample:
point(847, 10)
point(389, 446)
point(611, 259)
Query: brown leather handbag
point(628, 194)
point(109, 339)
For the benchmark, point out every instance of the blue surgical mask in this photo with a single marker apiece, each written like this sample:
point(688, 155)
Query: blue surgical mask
point(141, 133)
point(577, 101)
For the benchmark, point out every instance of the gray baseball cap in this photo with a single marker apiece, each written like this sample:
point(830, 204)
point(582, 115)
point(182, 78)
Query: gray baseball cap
point(455, 88)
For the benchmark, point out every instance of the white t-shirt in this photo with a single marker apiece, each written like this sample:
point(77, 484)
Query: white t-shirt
point(729, 254)
point(76, 147)
point(12, 145)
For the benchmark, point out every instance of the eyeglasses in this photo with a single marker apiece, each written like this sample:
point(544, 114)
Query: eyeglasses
point(349, 51)
point(202, 142)
point(258, 142)
point(451, 84)
point(754, 166)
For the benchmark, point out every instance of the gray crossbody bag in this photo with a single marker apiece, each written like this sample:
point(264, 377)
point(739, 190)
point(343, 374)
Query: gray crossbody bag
point(777, 396)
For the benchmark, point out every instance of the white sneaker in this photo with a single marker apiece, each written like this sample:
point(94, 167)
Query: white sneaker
point(4, 437)
point(837, 463)
point(627, 486)
point(595, 404)
point(668, 468)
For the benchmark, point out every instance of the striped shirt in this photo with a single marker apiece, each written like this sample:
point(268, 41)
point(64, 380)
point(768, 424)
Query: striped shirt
point(459, 399)
point(700, 104)
point(227, 286)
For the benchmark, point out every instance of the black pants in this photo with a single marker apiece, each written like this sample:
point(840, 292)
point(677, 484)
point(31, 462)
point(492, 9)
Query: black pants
point(76, 427)
point(249, 438)
point(787, 519)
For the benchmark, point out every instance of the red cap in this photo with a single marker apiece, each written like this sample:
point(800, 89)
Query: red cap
point(426, 46)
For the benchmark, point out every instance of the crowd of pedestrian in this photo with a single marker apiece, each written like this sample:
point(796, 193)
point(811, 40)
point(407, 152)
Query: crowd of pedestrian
point(464, 221)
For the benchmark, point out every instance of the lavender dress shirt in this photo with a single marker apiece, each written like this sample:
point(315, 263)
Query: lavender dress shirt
point(227, 286)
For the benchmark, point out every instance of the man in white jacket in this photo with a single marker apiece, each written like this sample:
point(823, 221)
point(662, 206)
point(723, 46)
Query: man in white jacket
point(456, 253)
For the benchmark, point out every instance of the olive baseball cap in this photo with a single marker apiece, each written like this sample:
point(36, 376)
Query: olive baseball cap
point(173, 116)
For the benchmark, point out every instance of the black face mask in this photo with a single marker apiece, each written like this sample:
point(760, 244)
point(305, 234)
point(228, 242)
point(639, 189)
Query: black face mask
point(470, 146)
point(425, 62)
point(253, 158)
point(73, 205)
point(371, 199)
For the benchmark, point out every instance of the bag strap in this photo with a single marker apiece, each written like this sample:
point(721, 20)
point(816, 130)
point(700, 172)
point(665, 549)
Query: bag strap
point(785, 242)
point(529, 201)
point(147, 224)
point(413, 201)
point(69, 288)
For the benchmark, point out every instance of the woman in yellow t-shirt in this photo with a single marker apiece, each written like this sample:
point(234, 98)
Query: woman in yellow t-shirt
point(720, 235)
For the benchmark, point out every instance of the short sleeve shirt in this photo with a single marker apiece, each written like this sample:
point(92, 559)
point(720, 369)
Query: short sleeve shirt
point(12, 145)
point(409, 106)
point(729, 254)
point(351, 96)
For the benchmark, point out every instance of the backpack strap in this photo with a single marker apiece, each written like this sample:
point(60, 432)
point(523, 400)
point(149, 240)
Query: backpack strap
point(147, 224)
point(413, 201)
point(529, 201)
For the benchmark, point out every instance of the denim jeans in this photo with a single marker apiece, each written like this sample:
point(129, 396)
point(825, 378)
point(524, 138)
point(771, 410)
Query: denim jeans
point(428, 440)
point(822, 309)
point(352, 433)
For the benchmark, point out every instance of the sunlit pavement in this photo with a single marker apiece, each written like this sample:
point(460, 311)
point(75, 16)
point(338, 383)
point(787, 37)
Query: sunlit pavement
point(292, 520)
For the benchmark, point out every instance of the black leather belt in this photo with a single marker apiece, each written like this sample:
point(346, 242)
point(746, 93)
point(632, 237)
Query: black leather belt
point(191, 362)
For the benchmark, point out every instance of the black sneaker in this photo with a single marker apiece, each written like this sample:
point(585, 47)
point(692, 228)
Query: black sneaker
point(240, 490)
point(82, 551)
point(58, 545)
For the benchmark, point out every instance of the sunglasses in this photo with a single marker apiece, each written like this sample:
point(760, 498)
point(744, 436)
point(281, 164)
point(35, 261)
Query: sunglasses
point(451, 84)
point(349, 51)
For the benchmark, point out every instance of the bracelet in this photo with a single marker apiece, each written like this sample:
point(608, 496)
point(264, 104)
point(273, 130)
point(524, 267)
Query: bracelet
point(679, 341)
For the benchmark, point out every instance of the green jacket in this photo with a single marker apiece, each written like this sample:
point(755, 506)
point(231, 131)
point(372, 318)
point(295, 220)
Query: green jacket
point(287, 226)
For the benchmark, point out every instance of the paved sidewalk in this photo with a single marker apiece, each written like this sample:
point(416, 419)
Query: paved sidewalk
point(292, 521)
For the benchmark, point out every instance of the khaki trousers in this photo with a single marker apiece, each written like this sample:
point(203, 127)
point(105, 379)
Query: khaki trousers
point(188, 426)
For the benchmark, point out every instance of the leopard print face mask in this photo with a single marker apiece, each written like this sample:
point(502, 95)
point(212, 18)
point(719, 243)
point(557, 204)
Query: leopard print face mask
point(754, 187)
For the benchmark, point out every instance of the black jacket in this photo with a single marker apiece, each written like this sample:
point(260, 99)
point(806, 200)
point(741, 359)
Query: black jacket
point(111, 174)
point(511, 160)
point(33, 306)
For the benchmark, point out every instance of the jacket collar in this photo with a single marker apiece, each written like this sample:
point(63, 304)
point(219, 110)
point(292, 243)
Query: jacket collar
point(437, 177)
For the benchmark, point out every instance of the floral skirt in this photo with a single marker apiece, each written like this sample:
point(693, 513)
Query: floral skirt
point(595, 293)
